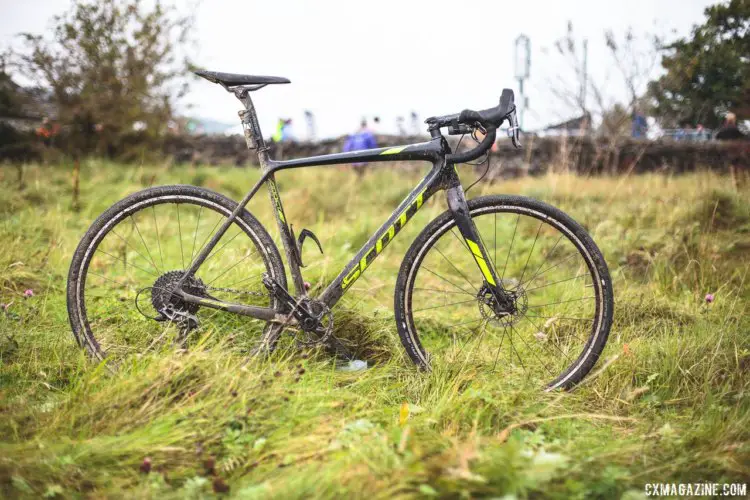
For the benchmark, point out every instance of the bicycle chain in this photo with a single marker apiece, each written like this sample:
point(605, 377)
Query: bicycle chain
point(238, 292)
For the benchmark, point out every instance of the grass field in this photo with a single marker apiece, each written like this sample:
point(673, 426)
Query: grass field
point(669, 401)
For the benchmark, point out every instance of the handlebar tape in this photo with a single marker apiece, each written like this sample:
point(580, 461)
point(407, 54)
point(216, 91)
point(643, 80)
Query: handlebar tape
point(492, 116)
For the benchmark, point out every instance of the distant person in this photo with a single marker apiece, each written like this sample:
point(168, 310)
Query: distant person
point(700, 132)
point(730, 132)
point(278, 134)
point(400, 126)
point(361, 139)
point(377, 127)
point(283, 132)
point(48, 131)
point(640, 125)
point(286, 131)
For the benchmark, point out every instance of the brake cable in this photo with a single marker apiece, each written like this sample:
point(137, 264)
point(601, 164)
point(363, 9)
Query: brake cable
point(485, 160)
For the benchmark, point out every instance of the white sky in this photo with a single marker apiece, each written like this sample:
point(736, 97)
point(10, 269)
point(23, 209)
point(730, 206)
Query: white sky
point(349, 60)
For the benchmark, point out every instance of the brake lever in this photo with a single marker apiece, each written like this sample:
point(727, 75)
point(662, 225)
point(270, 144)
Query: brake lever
point(514, 130)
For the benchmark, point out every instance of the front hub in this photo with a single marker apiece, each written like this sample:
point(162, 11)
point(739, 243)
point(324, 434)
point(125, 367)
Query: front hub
point(502, 312)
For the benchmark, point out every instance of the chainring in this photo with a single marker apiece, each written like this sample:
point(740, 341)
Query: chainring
point(320, 325)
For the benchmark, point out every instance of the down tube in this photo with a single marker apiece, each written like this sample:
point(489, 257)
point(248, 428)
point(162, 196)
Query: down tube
point(375, 245)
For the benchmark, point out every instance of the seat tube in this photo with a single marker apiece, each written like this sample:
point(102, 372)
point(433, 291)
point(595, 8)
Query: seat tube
point(287, 238)
point(460, 210)
point(254, 140)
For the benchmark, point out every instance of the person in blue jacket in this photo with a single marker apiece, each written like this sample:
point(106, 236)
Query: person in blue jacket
point(361, 139)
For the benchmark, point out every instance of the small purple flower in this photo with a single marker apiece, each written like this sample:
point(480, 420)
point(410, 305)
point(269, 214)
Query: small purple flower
point(709, 298)
point(28, 293)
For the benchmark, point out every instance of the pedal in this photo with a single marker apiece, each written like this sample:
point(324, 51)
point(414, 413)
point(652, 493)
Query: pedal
point(306, 233)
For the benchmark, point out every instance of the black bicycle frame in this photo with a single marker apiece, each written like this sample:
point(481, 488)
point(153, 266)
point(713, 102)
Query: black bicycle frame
point(442, 176)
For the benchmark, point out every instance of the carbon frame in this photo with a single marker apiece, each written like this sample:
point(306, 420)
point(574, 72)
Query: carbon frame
point(442, 176)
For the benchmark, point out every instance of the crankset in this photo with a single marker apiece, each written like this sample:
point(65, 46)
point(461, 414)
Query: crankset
point(314, 318)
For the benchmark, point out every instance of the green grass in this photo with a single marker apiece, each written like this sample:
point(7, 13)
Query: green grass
point(668, 401)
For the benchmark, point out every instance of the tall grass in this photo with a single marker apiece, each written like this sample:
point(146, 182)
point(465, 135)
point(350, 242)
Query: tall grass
point(668, 401)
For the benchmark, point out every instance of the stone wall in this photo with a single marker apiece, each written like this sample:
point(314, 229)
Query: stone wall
point(583, 155)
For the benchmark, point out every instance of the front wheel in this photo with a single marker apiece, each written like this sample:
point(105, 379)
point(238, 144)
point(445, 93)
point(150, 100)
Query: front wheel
point(548, 264)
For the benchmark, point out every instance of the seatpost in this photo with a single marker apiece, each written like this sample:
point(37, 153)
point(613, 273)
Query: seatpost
point(251, 127)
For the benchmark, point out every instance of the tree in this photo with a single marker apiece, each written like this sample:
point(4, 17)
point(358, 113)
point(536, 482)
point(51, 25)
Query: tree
point(611, 100)
point(708, 72)
point(111, 67)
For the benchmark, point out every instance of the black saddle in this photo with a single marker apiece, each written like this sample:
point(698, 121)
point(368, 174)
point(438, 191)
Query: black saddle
point(233, 80)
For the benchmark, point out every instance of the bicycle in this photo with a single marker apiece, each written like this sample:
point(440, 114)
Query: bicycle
point(545, 310)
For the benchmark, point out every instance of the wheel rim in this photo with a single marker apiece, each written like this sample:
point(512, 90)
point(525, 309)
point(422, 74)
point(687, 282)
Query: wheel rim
point(558, 288)
point(153, 239)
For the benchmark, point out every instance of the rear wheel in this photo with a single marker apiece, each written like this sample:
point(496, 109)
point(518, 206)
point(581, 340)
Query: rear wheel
point(555, 274)
point(120, 281)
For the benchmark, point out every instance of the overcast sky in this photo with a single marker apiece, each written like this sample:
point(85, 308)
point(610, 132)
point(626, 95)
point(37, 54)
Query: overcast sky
point(348, 60)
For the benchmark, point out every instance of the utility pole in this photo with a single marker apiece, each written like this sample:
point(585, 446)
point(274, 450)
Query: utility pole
point(523, 64)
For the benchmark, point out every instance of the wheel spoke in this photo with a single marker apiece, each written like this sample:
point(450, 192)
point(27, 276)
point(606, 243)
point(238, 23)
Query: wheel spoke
point(200, 249)
point(243, 259)
point(513, 349)
point(158, 238)
point(545, 259)
point(144, 243)
point(217, 252)
point(195, 234)
point(533, 245)
point(439, 290)
point(446, 280)
point(494, 260)
point(513, 238)
point(460, 240)
point(551, 267)
point(534, 352)
point(561, 302)
point(560, 317)
point(179, 229)
point(540, 330)
point(126, 263)
point(443, 305)
point(135, 250)
point(243, 280)
point(454, 267)
point(497, 355)
point(555, 282)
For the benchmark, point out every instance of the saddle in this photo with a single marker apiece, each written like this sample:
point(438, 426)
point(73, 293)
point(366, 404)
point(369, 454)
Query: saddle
point(235, 80)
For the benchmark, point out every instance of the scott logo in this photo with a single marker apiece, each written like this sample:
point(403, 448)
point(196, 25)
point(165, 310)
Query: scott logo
point(382, 242)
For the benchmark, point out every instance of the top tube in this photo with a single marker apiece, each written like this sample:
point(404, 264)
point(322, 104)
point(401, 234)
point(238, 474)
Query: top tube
point(425, 151)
